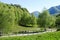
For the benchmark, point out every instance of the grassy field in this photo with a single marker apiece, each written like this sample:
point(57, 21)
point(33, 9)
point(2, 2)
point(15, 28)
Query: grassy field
point(46, 36)
point(21, 28)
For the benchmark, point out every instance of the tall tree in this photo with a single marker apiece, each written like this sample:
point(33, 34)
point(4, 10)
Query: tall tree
point(6, 18)
point(45, 19)
point(33, 20)
point(25, 18)
point(58, 22)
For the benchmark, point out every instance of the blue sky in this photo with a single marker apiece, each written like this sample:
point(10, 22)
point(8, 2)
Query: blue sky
point(34, 5)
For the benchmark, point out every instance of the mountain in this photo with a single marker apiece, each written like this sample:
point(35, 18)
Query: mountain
point(36, 13)
point(54, 10)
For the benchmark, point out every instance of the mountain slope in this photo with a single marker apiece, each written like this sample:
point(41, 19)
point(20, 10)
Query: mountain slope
point(54, 10)
point(36, 13)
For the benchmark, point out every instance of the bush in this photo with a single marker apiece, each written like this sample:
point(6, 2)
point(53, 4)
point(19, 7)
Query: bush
point(58, 29)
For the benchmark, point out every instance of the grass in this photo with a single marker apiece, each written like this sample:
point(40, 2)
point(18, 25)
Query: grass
point(28, 28)
point(17, 29)
point(21, 28)
point(46, 36)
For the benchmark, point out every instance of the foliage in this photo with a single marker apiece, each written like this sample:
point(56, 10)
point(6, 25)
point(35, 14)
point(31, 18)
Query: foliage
point(58, 22)
point(10, 15)
point(25, 19)
point(6, 18)
point(45, 19)
point(33, 20)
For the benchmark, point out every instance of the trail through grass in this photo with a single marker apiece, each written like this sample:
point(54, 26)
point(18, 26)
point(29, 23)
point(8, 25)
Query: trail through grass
point(45, 36)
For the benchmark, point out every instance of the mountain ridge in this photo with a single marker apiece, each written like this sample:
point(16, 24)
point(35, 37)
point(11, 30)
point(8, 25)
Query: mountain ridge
point(52, 10)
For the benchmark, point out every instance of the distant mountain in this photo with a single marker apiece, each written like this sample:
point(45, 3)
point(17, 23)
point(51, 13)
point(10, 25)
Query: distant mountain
point(54, 10)
point(36, 13)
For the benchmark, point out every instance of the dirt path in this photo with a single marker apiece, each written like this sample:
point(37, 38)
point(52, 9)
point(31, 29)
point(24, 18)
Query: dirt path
point(24, 34)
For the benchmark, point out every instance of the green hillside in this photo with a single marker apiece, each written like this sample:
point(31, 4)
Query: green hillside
point(13, 18)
